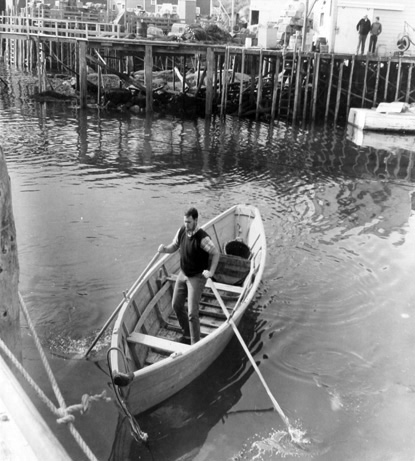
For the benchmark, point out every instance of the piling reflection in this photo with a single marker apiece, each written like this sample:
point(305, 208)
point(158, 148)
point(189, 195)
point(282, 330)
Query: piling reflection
point(326, 150)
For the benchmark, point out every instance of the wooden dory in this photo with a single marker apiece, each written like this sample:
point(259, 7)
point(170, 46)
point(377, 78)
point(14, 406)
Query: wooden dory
point(145, 338)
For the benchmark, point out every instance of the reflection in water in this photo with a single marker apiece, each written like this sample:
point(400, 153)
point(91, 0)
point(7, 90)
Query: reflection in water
point(94, 193)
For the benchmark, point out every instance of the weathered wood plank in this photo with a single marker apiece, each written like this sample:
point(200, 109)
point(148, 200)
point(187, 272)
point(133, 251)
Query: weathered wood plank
point(24, 435)
point(158, 343)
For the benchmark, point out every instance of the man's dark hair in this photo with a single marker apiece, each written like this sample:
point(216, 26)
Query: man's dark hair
point(191, 212)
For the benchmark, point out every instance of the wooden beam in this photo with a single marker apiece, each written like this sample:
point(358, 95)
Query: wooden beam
point(158, 343)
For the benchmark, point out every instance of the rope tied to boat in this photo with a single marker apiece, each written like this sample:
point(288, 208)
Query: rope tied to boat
point(82, 407)
point(63, 412)
point(136, 431)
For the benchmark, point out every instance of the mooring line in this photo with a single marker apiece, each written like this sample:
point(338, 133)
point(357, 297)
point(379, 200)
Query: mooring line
point(64, 413)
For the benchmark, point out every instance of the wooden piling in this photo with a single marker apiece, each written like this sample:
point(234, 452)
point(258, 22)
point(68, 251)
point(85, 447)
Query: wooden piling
point(83, 75)
point(225, 80)
point(365, 82)
point(339, 91)
point(349, 90)
point(375, 93)
point(385, 95)
point(398, 80)
point(326, 114)
point(9, 268)
point(148, 77)
point(253, 66)
point(290, 84)
point(275, 89)
point(99, 92)
point(41, 67)
point(408, 83)
point(233, 66)
point(198, 67)
point(259, 84)
point(306, 89)
point(184, 74)
point(315, 84)
point(210, 66)
point(297, 86)
point(282, 83)
point(242, 86)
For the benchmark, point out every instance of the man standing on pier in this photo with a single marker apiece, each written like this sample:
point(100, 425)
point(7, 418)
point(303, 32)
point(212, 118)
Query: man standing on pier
point(363, 27)
point(375, 30)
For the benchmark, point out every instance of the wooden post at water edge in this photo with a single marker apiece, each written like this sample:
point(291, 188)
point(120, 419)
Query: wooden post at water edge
point(210, 68)
point(83, 74)
point(148, 76)
point(9, 267)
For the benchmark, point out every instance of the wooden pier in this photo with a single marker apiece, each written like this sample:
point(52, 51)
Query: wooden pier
point(24, 434)
point(247, 82)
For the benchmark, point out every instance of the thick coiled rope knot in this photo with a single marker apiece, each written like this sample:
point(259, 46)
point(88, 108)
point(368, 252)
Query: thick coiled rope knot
point(66, 413)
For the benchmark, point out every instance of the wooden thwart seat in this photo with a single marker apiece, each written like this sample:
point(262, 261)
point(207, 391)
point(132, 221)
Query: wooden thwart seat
point(228, 288)
point(157, 343)
point(219, 286)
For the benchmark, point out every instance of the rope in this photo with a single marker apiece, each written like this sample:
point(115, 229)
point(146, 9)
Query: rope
point(82, 407)
point(137, 433)
point(64, 413)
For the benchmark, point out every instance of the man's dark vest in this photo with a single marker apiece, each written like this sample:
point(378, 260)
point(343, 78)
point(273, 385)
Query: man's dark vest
point(193, 259)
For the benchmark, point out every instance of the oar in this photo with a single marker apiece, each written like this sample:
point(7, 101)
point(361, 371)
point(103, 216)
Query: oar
point(251, 359)
point(117, 309)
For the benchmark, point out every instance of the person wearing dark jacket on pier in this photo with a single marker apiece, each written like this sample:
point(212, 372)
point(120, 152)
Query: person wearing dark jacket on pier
point(375, 30)
point(363, 27)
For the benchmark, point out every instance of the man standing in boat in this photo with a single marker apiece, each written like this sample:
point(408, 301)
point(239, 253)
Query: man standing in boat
point(195, 247)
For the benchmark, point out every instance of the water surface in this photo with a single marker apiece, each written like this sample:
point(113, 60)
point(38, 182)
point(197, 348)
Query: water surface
point(95, 193)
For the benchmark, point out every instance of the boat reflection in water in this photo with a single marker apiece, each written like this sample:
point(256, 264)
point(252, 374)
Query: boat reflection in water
point(394, 142)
